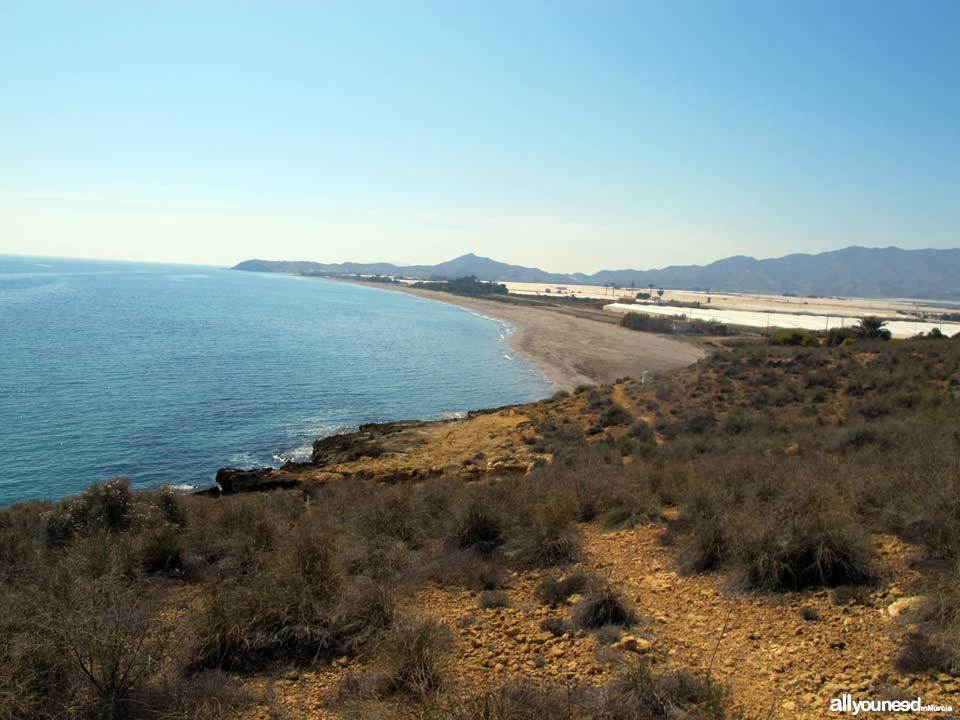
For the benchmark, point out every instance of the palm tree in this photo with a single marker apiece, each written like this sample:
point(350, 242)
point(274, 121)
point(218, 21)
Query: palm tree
point(872, 328)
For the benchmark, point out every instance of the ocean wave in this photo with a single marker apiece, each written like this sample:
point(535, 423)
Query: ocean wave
point(301, 453)
point(245, 460)
point(453, 415)
point(325, 431)
point(508, 328)
point(299, 445)
point(182, 488)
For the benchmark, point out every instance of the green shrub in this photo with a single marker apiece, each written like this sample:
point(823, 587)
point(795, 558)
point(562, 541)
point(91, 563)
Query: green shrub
point(810, 542)
point(794, 337)
point(168, 505)
point(479, 528)
point(736, 422)
point(642, 431)
point(708, 327)
point(555, 626)
point(841, 336)
point(104, 506)
point(21, 539)
point(414, 656)
point(648, 323)
point(608, 634)
point(602, 605)
point(524, 700)
point(555, 591)
point(871, 328)
point(482, 575)
point(547, 536)
point(861, 436)
point(637, 693)
point(935, 643)
point(160, 549)
point(113, 641)
point(490, 599)
point(615, 415)
point(703, 544)
point(465, 286)
point(698, 420)
point(390, 512)
point(298, 607)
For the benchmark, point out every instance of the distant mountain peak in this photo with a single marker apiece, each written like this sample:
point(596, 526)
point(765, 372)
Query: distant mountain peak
point(852, 271)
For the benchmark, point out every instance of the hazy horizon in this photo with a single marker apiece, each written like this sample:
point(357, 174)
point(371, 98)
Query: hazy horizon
point(401, 263)
point(579, 139)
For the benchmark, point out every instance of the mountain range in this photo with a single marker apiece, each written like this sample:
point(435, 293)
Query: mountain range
point(853, 271)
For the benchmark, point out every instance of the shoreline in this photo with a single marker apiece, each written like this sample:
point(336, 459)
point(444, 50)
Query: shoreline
point(569, 349)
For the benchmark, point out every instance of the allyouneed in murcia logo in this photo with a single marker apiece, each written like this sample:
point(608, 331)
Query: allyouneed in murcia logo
point(846, 704)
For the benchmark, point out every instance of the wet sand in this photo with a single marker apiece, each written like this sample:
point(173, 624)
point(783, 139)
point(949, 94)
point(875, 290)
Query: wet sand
point(572, 349)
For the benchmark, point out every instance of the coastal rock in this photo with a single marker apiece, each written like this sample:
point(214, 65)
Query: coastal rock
point(236, 480)
point(371, 440)
point(480, 444)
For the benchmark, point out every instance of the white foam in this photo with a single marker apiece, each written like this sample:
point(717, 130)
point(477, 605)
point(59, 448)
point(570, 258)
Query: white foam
point(458, 415)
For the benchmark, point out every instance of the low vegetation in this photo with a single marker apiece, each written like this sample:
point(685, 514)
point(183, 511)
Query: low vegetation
point(775, 465)
point(637, 693)
point(648, 323)
point(464, 286)
point(869, 328)
point(601, 606)
point(672, 324)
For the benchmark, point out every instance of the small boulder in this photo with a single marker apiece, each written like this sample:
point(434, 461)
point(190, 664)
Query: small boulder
point(906, 610)
point(629, 643)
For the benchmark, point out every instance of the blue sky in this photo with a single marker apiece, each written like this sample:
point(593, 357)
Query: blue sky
point(572, 136)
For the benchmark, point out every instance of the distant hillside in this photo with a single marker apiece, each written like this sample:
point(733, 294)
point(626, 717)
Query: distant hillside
point(853, 271)
point(463, 266)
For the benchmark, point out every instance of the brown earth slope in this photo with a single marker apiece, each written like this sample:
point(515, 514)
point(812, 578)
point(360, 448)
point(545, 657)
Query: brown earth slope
point(750, 537)
point(784, 654)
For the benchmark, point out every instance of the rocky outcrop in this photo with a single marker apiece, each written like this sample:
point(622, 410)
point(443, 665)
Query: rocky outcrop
point(236, 480)
point(498, 441)
point(372, 440)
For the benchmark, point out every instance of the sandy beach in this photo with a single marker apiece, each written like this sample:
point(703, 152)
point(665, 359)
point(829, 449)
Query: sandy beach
point(572, 350)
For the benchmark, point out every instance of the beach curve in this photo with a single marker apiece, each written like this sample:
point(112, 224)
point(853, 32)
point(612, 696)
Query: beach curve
point(569, 349)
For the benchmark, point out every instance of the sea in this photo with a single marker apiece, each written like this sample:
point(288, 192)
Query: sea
point(165, 373)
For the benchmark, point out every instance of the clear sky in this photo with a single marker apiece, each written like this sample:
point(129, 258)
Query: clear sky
point(570, 136)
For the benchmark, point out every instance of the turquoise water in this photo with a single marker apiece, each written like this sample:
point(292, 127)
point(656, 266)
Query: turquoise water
point(166, 373)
